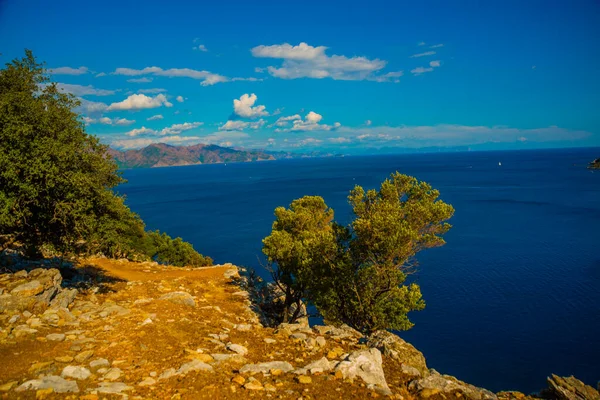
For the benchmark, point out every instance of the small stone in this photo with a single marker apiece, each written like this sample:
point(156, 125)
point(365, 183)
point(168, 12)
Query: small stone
point(179, 298)
point(240, 380)
point(99, 363)
point(194, 365)
point(269, 340)
point(167, 374)
point(243, 327)
point(43, 393)
point(298, 336)
point(113, 374)
point(75, 372)
point(84, 356)
point(236, 348)
point(321, 342)
point(113, 387)
point(147, 382)
point(303, 379)
point(63, 359)
point(56, 337)
point(253, 385)
point(204, 357)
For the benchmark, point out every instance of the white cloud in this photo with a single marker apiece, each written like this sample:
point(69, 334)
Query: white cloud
point(340, 140)
point(435, 46)
point(283, 121)
point(141, 131)
point(91, 107)
point(389, 77)
point(207, 78)
point(421, 44)
point(179, 99)
point(153, 91)
point(101, 74)
point(237, 125)
point(155, 117)
point(435, 63)
point(176, 129)
point(140, 102)
point(311, 122)
point(368, 122)
point(244, 107)
point(234, 125)
point(420, 70)
point(140, 80)
point(108, 121)
point(79, 90)
point(305, 61)
point(200, 47)
point(427, 53)
point(68, 71)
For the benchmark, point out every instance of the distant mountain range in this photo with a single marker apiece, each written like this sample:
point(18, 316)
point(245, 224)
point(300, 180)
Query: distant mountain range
point(164, 155)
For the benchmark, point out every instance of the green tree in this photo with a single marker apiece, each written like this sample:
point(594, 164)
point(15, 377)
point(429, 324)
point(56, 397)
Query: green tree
point(301, 245)
point(56, 181)
point(53, 176)
point(357, 274)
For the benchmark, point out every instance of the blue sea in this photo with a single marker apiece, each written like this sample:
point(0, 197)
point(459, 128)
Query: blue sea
point(513, 296)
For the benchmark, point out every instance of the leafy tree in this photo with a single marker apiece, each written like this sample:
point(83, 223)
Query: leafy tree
point(302, 244)
point(356, 275)
point(56, 181)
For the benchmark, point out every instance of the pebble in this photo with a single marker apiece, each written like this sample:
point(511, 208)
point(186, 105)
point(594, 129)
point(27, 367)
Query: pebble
point(56, 337)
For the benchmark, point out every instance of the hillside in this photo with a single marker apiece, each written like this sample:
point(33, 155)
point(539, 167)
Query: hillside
point(595, 164)
point(164, 155)
point(112, 329)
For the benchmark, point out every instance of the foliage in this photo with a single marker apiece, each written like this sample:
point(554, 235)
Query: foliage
point(594, 164)
point(56, 181)
point(356, 274)
point(302, 243)
point(175, 251)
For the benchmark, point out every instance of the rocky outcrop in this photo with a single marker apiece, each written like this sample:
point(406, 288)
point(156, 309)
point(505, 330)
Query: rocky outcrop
point(367, 365)
point(397, 349)
point(448, 386)
point(35, 291)
point(570, 388)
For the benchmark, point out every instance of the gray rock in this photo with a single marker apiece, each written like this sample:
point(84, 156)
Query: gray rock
point(179, 298)
point(266, 367)
point(75, 372)
point(28, 289)
point(167, 374)
point(242, 327)
point(237, 348)
point(99, 363)
point(113, 387)
point(64, 298)
point(316, 367)
point(232, 273)
point(269, 340)
point(367, 365)
point(113, 374)
point(571, 388)
point(228, 357)
point(397, 349)
point(449, 386)
point(58, 384)
point(298, 336)
point(147, 382)
point(56, 337)
point(194, 365)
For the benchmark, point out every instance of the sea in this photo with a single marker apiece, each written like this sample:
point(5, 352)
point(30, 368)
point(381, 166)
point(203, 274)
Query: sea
point(512, 297)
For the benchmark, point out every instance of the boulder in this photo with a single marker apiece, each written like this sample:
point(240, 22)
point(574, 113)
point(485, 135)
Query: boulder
point(58, 384)
point(179, 298)
point(64, 298)
point(397, 349)
point(448, 386)
point(570, 388)
point(28, 289)
point(266, 367)
point(75, 372)
point(367, 365)
point(237, 348)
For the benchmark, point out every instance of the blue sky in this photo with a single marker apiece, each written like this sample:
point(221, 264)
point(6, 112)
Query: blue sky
point(349, 77)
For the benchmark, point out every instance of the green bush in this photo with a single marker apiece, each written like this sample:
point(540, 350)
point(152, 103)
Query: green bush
point(56, 181)
point(356, 274)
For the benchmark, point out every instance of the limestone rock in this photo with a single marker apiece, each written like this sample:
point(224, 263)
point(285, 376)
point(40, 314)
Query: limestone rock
point(75, 372)
point(113, 387)
point(113, 374)
point(450, 386)
point(64, 298)
point(147, 382)
point(194, 365)
point(56, 337)
point(58, 384)
point(99, 363)
point(571, 388)
point(266, 367)
point(237, 348)
point(397, 349)
point(316, 367)
point(28, 289)
point(367, 365)
point(179, 298)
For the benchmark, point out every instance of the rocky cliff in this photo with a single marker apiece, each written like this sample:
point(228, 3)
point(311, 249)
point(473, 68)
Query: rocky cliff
point(116, 329)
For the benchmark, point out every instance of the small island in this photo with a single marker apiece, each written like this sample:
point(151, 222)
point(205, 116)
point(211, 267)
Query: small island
point(594, 164)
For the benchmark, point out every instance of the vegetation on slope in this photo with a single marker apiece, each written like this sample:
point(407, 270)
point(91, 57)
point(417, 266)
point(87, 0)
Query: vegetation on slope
point(56, 181)
point(356, 275)
point(595, 164)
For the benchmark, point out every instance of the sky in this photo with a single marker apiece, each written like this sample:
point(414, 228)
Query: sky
point(351, 77)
